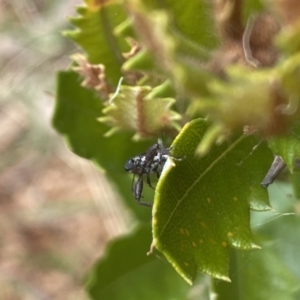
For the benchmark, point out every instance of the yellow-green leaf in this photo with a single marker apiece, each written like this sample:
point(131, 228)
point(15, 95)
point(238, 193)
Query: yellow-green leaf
point(94, 32)
point(202, 205)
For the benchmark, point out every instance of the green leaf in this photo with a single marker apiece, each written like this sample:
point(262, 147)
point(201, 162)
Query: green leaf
point(75, 117)
point(131, 110)
point(178, 49)
point(94, 32)
point(270, 273)
point(295, 180)
point(258, 275)
point(189, 19)
point(252, 8)
point(127, 273)
point(248, 98)
point(282, 226)
point(202, 204)
point(245, 98)
point(142, 61)
point(287, 147)
point(288, 39)
point(192, 20)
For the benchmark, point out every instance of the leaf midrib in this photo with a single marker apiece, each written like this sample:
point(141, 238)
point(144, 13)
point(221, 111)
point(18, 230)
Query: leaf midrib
point(198, 179)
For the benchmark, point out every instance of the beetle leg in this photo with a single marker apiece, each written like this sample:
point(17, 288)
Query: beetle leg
point(133, 185)
point(149, 181)
point(138, 189)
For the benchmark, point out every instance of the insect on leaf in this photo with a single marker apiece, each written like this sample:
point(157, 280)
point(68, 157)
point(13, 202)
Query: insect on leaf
point(75, 117)
point(201, 207)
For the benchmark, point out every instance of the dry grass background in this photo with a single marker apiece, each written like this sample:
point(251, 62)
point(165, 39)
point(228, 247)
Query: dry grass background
point(56, 210)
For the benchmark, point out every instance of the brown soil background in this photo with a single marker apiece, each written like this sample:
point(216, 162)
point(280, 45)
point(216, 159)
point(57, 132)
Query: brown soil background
point(57, 212)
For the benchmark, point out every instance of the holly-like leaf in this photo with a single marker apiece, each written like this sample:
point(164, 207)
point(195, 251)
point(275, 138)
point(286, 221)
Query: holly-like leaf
point(94, 32)
point(201, 206)
point(132, 110)
point(127, 273)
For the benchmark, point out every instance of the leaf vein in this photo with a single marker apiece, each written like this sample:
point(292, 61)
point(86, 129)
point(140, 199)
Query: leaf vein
point(198, 179)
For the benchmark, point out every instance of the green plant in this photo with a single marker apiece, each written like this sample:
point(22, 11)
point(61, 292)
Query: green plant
point(224, 74)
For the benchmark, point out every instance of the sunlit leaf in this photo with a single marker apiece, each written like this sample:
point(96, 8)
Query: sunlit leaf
point(202, 204)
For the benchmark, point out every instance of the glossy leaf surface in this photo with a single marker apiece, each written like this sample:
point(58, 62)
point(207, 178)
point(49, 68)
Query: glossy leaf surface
point(202, 204)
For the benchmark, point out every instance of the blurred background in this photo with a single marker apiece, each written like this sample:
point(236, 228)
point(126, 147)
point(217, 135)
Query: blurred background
point(57, 211)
